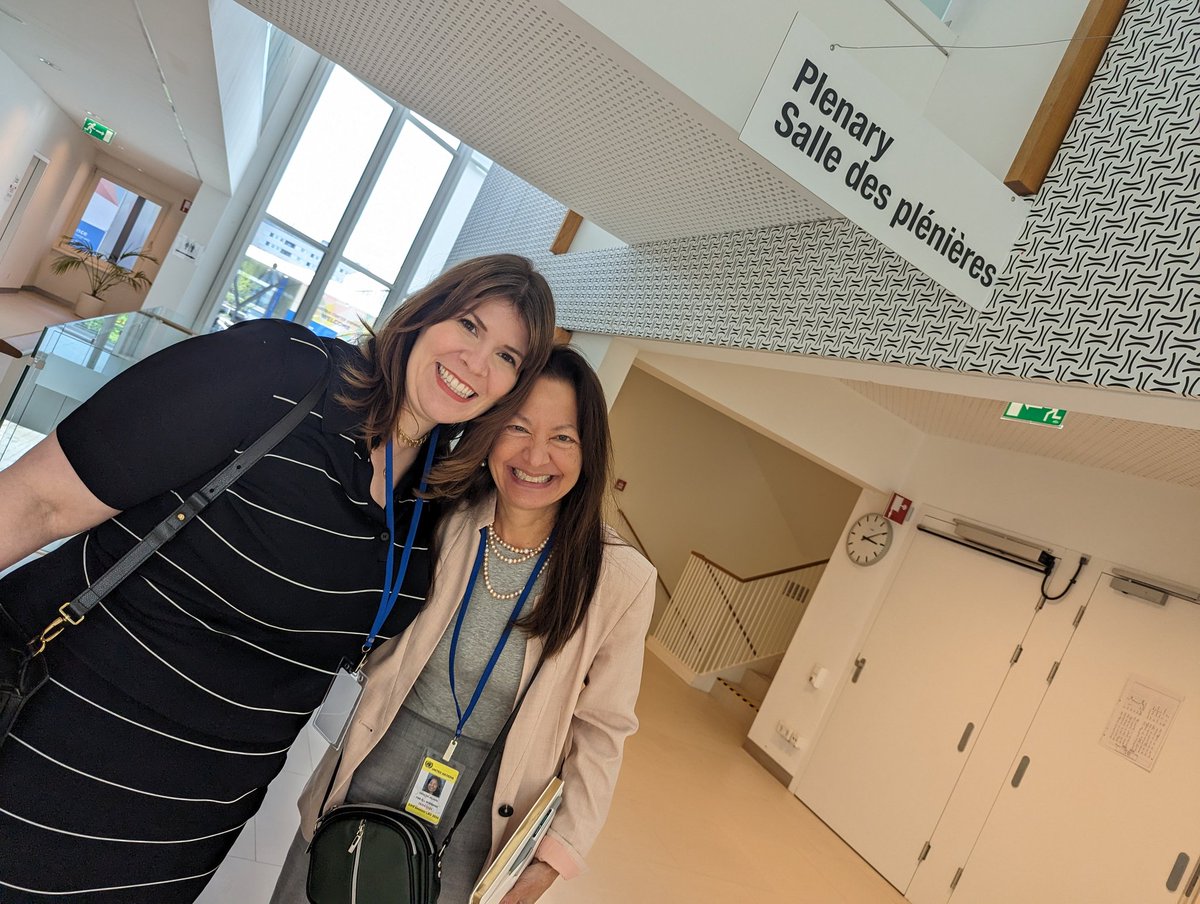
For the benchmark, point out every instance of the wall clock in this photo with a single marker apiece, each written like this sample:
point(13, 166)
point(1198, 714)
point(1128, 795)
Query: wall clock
point(869, 539)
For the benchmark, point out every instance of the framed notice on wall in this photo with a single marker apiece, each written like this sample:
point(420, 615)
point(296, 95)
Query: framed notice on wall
point(1138, 726)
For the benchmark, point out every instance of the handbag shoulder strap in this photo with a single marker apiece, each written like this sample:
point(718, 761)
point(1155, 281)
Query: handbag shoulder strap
point(74, 611)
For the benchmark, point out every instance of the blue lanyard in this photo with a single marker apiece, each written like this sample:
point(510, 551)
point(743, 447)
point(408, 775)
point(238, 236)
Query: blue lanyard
point(393, 582)
point(462, 611)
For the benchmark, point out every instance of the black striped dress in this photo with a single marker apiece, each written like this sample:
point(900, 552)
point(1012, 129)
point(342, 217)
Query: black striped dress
point(172, 706)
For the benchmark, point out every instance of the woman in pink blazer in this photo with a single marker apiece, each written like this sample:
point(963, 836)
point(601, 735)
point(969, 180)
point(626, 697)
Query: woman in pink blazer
point(530, 526)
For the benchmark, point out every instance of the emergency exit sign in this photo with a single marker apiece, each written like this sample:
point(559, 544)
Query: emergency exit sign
point(98, 130)
point(1049, 417)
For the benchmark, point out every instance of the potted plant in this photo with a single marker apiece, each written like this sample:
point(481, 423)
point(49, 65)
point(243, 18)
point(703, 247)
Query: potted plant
point(103, 271)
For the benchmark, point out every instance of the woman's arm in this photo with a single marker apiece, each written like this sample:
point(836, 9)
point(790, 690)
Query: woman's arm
point(42, 499)
point(603, 718)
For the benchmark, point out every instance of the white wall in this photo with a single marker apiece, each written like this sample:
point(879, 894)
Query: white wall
point(1116, 519)
point(697, 480)
point(30, 122)
point(122, 298)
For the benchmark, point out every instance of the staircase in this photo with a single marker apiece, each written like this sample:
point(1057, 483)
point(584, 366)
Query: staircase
point(742, 695)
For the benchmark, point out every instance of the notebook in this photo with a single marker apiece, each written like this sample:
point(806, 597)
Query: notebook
point(504, 871)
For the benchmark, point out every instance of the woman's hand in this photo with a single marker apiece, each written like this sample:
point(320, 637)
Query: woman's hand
point(534, 881)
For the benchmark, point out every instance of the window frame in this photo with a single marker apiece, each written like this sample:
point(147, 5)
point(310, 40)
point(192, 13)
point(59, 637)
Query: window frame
point(85, 196)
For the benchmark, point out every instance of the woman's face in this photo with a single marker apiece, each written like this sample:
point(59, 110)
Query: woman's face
point(460, 368)
point(537, 458)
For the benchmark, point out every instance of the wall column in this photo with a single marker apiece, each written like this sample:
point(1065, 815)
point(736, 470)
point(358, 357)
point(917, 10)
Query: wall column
point(610, 357)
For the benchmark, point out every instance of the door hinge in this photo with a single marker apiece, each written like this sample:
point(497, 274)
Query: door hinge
point(954, 881)
point(1078, 616)
point(1053, 672)
point(925, 851)
point(1016, 655)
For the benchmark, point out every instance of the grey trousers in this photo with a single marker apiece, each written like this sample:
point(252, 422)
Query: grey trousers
point(385, 777)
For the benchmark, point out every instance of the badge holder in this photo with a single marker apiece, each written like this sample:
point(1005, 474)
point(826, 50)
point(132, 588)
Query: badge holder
point(433, 785)
point(341, 702)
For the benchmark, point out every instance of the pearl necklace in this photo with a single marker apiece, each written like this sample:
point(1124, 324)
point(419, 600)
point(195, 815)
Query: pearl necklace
point(520, 555)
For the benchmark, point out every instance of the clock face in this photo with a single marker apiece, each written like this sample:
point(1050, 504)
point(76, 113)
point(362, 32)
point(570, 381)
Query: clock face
point(869, 539)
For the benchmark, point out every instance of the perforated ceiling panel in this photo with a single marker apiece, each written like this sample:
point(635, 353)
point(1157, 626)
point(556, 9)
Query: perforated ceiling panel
point(1170, 454)
point(549, 103)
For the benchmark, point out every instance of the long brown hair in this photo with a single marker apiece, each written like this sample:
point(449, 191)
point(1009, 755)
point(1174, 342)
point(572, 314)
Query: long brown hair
point(377, 382)
point(573, 572)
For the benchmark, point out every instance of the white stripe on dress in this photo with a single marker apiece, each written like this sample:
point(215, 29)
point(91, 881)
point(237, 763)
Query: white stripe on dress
point(288, 580)
point(230, 605)
point(121, 840)
point(248, 643)
point(164, 734)
point(263, 508)
point(104, 781)
point(193, 681)
point(305, 464)
point(310, 345)
point(88, 891)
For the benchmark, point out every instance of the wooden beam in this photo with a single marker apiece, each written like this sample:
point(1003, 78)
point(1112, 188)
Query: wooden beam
point(1064, 95)
point(566, 233)
point(9, 349)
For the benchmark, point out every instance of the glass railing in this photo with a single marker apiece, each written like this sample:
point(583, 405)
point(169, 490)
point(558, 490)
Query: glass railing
point(68, 364)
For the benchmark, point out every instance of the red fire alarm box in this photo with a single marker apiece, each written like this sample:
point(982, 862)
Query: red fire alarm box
point(899, 508)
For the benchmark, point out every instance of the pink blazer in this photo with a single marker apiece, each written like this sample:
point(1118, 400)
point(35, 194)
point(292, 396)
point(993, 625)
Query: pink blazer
point(574, 720)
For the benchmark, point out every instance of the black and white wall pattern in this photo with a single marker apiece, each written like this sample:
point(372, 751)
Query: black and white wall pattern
point(1103, 287)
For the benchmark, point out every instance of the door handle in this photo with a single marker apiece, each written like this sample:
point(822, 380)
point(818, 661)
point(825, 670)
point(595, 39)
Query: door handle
point(858, 667)
point(966, 736)
point(1177, 871)
point(1020, 773)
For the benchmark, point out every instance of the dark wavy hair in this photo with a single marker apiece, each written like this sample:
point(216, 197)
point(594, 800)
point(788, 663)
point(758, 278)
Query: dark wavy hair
point(377, 381)
point(573, 571)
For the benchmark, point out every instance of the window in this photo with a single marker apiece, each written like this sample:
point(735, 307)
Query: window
point(366, 207)
point(116, 219)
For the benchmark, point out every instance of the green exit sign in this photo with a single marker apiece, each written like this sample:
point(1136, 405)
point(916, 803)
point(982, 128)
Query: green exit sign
point(98, 130)
point(1049, 417)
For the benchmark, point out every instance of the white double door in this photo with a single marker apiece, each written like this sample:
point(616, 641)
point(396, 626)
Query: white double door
point(931, 669)
point(1086, 822)
point(934, 807)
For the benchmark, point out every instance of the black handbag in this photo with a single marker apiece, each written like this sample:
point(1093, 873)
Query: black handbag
point(374, 854)
point(23, 669)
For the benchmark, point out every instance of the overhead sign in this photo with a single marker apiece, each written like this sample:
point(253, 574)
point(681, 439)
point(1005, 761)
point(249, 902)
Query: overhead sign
point(98, 130)
point(850, 140)
point(1050, 417)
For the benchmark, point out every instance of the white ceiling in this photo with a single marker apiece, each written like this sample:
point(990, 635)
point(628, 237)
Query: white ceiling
point(112, 58)
point(1154, 451)
point(556, 102)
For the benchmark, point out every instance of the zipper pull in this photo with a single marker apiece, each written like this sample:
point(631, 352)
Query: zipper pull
point(362, 824)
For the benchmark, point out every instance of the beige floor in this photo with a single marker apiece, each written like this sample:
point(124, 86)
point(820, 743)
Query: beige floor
point(24, 314)
point(695, 821)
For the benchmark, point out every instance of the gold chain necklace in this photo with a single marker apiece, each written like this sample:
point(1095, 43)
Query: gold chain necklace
point(412, 442)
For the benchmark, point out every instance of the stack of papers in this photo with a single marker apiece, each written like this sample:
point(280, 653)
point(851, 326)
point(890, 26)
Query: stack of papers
point(504, 871)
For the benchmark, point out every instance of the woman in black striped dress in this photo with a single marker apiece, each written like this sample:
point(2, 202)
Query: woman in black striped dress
point(167, 713)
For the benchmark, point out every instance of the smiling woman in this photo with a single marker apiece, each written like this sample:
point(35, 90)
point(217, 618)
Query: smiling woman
point(443, 690)
point(130, 774)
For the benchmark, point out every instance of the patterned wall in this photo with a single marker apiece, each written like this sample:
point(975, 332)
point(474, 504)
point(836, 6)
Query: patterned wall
point(1103, 286)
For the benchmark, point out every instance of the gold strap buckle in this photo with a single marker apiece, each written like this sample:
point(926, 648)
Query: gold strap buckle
point(55, 628)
